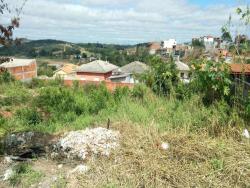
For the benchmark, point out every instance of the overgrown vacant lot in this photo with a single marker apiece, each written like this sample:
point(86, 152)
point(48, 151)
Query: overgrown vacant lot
point(206, 147)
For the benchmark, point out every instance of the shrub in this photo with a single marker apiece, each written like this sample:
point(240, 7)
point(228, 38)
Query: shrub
point(76, 84)
point(15, 93)
point(99, 99)
point(183, 91)
point(120, 92)
point(6, 77)
point(36, 83)
point(89, 88)
point(30, 116)
point(247, 108)
point(139, 91)
point(162, 76)
point(212, 79)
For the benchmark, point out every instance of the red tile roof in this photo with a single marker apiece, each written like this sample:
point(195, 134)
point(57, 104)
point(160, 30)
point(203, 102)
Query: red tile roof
point(240, 68)
point(154, 46)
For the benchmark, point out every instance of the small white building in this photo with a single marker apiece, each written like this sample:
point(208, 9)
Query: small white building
point(208, 39)
point(167, 44)
point(210, 42)
point(184, 71)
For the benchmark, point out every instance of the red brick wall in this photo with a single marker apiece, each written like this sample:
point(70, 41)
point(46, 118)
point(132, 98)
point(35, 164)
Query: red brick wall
point(15, 70)
point(94, 76)
point(111, 86)
point(25, 72)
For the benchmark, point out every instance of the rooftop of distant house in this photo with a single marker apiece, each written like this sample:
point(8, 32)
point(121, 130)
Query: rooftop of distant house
point(136, 67)
point(68, 68)
point(17, 63)
point(155, 46)
point(181, 66)
point(97, 66)
point(240, 68)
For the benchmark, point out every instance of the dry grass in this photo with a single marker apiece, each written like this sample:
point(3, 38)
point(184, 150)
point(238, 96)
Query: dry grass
point(193, 160)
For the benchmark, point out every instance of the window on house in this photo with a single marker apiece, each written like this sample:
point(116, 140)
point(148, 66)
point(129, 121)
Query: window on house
point(182, 75)
point(189, 75)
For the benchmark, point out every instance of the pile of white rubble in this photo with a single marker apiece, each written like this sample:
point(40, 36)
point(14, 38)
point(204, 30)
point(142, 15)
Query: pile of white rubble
point(97, 141)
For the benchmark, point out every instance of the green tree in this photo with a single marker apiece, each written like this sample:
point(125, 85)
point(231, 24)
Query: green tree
point(244, 14)
point(197, 43)
point(212, 79)
point(162, 76)
point(225, 30)
point(226, 36)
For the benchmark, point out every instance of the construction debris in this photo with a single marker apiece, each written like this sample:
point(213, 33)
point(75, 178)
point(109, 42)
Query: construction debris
point(97, 141)
point(8, 173)
point(246, 134)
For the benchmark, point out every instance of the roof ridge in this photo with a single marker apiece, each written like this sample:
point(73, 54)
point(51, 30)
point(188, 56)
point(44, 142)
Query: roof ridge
point(99, 61)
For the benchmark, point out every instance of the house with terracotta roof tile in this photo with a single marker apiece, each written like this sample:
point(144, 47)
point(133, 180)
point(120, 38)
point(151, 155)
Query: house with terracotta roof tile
point(154, 47)
point(66, 70)
point(237, 70)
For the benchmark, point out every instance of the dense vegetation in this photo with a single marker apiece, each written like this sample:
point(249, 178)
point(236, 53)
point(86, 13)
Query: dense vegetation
point(205, 103)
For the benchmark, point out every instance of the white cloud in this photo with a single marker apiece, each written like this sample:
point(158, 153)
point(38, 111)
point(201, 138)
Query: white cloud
point(120, 21)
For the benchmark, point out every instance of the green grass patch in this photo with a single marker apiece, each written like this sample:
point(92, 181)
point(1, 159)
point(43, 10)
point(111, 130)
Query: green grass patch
point(24, 175)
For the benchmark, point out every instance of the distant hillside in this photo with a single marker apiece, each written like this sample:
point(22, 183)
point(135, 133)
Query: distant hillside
point(54, 49)
point(33, 48)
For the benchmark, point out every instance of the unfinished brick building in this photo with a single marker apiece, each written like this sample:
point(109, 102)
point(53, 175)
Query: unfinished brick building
point(21, 69)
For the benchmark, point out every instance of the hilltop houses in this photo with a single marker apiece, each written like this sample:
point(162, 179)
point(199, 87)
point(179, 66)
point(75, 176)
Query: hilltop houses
point(22, 69)
point(168, 48)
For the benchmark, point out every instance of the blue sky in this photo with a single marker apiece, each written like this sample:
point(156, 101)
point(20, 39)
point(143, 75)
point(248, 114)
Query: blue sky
point(126, 21)
point(212, 2)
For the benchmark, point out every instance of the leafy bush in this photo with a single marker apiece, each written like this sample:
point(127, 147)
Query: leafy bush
point(14, 93)
point(120, 92)
point(61, 100)
point(183, 91)
point(162, 76)
point(30, 116)
point(89, 88)
point(36, 83)
point(100, 99)
point(45, 70)
point(212, 79)
point(248, 107)
point(6, 77)
point(139, 91)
